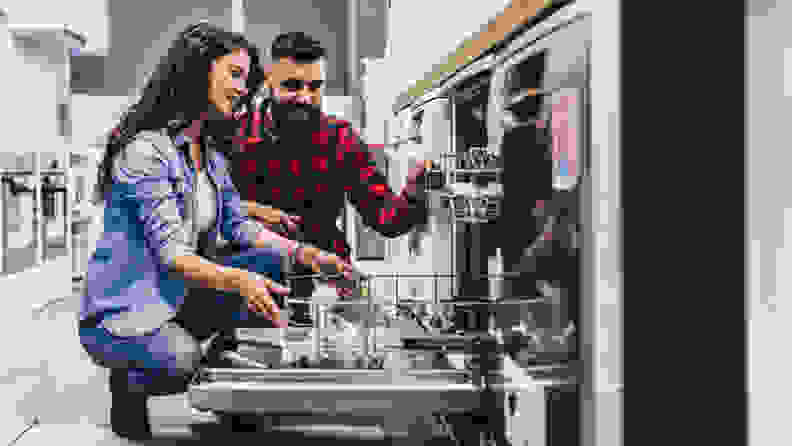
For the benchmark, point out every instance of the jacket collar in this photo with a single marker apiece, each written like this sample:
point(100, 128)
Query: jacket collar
point(182, 142)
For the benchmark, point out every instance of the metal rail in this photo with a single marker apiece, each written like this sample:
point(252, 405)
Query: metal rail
point(368, 346)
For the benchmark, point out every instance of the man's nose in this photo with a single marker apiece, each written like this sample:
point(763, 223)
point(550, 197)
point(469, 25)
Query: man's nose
point(303, 98)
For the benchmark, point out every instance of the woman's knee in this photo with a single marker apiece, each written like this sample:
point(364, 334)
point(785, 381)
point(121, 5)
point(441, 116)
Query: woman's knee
point(183, 351)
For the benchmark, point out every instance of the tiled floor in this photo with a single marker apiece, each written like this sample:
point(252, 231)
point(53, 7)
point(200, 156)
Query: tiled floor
point(88, 435)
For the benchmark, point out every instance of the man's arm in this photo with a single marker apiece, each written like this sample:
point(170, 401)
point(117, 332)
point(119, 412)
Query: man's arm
point(381, 209)
point(276, 219)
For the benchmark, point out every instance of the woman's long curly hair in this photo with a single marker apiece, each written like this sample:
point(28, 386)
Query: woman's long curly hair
point(177, 91)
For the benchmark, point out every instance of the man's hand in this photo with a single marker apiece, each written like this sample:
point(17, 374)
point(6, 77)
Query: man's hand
point(272, 216)
point(319, 261)
point(417, 169)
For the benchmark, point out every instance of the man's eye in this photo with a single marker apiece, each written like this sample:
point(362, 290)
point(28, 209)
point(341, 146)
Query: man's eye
point(292, 84)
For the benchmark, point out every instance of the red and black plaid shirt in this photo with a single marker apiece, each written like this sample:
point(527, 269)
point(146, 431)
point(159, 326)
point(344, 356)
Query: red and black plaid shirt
point(311, 180)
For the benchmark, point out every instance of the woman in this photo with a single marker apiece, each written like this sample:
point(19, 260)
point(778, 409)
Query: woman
point(167, 197)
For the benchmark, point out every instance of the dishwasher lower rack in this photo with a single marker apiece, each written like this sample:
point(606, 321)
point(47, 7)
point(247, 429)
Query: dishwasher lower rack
point(373, 310)
point(323, 391)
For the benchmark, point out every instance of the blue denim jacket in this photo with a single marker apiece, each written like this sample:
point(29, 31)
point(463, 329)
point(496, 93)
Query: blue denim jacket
point(148, 222)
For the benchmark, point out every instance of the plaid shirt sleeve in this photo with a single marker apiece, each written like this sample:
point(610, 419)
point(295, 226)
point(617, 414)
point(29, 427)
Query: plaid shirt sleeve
point(380, 208)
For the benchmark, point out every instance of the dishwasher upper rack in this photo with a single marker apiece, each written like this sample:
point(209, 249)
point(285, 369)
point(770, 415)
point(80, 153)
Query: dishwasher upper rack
point(364, 283)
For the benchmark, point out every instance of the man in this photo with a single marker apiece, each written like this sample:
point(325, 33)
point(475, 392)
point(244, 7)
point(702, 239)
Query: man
point(302, 162)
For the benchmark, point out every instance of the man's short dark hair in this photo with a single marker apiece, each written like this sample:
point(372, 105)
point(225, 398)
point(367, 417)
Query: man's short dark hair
point(299, 46)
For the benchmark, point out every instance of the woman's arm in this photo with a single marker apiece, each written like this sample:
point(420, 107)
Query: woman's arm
point(141, 172)
point(208, 274)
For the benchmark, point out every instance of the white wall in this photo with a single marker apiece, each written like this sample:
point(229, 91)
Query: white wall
point(422, 33)
point(769, 105)
point(93, 116)
point(87, 17)
point(29, 88)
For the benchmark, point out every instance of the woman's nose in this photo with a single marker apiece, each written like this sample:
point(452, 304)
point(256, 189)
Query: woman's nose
point(240, 90)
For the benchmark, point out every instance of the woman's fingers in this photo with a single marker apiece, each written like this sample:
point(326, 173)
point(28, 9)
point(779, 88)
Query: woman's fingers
point(262, 302)
point(260, 307)
point(278, 288)
point(271, 309)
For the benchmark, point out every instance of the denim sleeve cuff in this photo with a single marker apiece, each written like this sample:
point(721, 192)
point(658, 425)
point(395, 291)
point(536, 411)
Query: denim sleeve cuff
point(173, 249)
point(249, 231)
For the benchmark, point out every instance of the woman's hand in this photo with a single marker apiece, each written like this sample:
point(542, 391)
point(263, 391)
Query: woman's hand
point(258, 291)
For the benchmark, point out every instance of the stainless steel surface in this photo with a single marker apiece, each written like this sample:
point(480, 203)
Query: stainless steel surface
point(26, 173)
point(242, 361)
point(316, 334)
point(38, 220)
point(367, 397)
point(322, 398)
point(325, 375)
point(445, 85)
point(454, 227)
point(561, 18)
point(365, 326)
point(351, 376)
point(3, 227)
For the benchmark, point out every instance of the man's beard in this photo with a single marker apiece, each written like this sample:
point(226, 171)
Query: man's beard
point(219, 125)
point(293, 120)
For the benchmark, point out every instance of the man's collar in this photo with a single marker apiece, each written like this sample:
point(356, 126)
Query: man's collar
point(266, 115)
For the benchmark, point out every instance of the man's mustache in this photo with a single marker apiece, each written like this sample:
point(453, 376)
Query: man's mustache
point(294, 111)
point(238, 107)
point(299, 113)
